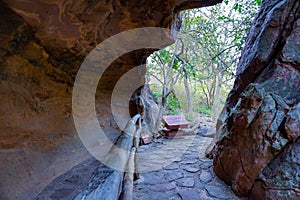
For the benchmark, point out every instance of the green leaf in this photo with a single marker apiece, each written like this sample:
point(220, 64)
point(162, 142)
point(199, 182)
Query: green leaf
point(240, 9)
point(236, 7)
point(258, 2)
point(176, 64)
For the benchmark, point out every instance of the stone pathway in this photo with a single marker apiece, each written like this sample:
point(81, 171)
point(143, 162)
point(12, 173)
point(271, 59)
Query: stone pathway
point(189, 177)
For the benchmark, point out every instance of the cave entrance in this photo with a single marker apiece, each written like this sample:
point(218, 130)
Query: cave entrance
point(193, 76)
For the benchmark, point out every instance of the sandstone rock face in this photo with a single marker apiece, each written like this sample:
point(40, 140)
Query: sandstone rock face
point(259, 128)
point(282, 174)
point(43, 44)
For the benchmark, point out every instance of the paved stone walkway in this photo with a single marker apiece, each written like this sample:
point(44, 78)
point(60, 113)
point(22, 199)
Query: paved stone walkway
point(189, 177)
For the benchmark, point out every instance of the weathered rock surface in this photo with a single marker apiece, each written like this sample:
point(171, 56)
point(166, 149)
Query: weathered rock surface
point(258, 130)
point(280, 180)
point(43, 44)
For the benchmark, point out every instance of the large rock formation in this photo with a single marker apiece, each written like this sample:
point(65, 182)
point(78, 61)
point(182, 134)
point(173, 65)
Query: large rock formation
point(43, 43)
point(257, 149)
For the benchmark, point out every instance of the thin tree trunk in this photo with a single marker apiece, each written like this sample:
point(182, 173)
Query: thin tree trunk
point(188, 94)
point(162, 108)
point(205, 93)
point(212, 90)
point(167, 89)
point(217, 96)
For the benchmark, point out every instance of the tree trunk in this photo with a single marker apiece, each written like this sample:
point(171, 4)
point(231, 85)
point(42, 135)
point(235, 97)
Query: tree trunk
point(167, 89)
point(159, 118)
point(188, 94)
point(216, 105)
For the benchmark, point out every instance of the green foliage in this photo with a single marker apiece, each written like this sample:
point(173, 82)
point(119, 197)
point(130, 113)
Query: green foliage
point(173, 106)
point(238, 7)
point(191, 116)
point(209, 59)
point(165, 56)
point(204, 110)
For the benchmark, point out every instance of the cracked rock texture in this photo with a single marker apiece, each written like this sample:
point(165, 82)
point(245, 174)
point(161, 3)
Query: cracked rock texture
point(257, 148)
point(42, 45)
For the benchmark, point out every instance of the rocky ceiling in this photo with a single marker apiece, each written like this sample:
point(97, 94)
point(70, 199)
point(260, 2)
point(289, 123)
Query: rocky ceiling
point(42, 45)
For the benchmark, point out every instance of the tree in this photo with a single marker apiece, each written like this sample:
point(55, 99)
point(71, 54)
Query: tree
point(206, 56)
point(166, 71)
point(220, 35)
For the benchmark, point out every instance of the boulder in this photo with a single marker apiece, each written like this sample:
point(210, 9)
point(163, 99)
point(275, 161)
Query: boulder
point(258, 131)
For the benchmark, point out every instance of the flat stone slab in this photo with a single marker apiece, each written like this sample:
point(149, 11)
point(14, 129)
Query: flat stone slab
point(191, 156)
point(206, 165)
point(151, 179)
point(185, 182)
point(172, 166)
point(205, 177)
point(190, 194)
point(217, 192)
point(163, 187)
point(205, 196)
point(191, 169)
point(174, 175)
point(205, 132)
point(188, 162)
point(159, 195)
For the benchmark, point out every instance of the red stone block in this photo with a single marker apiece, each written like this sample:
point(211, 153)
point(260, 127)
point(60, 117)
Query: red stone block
point(172, 133)
point(146, 139)
point(174, 122)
